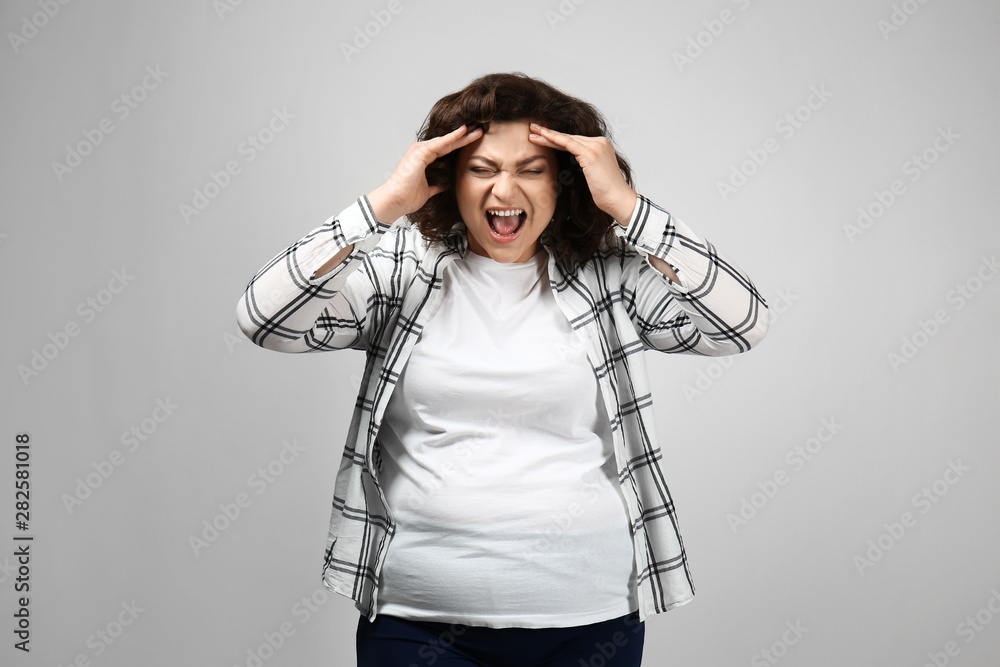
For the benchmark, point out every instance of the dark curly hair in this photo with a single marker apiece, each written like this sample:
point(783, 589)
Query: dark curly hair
point(580, 228)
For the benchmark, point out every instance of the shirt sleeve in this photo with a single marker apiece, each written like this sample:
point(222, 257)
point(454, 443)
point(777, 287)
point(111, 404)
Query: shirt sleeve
point(287, 308)
point(715, 310)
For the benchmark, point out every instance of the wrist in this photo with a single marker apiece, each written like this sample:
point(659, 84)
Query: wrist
point(384, 206)
point(624, 208)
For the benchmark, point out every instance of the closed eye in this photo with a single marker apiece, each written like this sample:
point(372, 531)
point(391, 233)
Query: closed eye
point(485, 171)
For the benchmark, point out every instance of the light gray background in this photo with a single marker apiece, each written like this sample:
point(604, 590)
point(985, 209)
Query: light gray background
point(839, 308)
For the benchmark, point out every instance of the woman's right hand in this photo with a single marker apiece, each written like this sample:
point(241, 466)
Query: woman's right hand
point(407, 189)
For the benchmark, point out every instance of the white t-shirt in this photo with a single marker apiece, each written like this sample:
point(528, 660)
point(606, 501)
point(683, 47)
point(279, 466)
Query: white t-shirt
point(498, 465)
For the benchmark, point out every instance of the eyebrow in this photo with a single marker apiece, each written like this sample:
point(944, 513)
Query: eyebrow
point(525, 161)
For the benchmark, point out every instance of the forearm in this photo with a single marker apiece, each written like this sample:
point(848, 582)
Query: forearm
point(664, 268)
point(334, 262)
point(290, 304)
point(708, 305)
point(623, 211)
point(384, 210)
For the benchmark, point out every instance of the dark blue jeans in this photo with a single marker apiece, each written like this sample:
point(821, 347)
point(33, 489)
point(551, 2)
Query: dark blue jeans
point(398, 642)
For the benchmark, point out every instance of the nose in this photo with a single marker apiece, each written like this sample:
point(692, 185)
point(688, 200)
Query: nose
point(505, 187)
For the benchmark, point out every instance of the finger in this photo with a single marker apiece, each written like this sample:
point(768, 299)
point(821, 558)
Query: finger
point(542, 141)
point(454, 140)
point(466, 139)
point(448, 135)
point(458, 135)
point(556, 139)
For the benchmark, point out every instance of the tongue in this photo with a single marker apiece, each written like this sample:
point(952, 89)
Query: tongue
point(505, 224)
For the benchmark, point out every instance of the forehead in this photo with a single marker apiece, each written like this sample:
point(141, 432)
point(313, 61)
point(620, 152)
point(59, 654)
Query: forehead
point(505, 141)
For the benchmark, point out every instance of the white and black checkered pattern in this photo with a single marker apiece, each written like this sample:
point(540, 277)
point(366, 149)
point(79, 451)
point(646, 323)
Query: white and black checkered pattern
point(380, 297)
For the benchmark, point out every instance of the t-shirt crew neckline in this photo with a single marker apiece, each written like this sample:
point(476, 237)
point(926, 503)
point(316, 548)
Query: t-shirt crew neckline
point(488, 263)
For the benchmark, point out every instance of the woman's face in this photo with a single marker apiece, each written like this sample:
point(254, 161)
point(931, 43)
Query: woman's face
point(503, 173)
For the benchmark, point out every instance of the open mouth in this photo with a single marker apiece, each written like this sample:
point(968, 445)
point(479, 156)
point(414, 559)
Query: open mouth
point(506, 223)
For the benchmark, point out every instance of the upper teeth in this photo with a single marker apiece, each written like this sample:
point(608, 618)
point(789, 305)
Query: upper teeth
point(515, 211)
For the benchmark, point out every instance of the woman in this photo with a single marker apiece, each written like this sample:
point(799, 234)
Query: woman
point(500, 499)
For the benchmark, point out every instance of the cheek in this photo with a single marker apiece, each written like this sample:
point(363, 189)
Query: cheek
point(545, 196)
point(464, 195)
point(469, 201)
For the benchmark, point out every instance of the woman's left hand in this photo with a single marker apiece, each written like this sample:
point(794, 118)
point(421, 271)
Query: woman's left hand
point(596, 156)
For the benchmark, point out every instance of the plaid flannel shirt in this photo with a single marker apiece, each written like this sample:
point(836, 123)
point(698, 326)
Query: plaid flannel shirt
point(379, 299)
